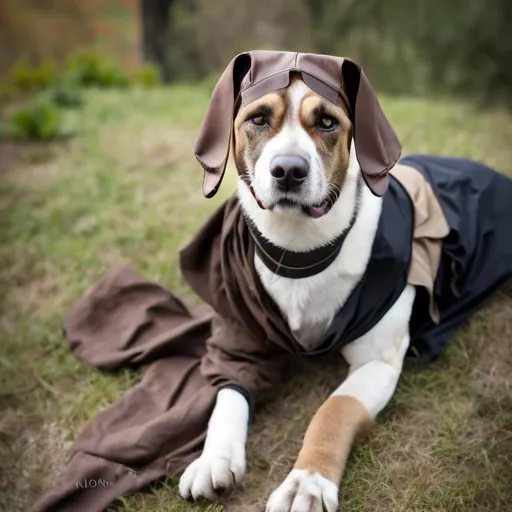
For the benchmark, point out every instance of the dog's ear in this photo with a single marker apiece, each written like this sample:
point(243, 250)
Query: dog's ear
point(377, 145)
point(213, 143)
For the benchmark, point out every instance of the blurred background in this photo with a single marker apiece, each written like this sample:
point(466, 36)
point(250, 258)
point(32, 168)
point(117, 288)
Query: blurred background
point(100, 103)
point(414, 47)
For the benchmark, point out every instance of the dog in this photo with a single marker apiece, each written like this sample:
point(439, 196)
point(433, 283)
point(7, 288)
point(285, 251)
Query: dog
point(301, 187)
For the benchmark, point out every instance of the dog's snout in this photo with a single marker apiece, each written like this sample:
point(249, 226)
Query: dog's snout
point(289, 171)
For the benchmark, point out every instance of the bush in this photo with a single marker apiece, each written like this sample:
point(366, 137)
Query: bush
point(46, 116)
point(27, 77)
point(65, 94)
point(83, 69)
point(91, 70)
point(41, 119)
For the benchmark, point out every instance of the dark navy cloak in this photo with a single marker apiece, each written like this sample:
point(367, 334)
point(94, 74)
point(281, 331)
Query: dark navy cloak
point(476, 255)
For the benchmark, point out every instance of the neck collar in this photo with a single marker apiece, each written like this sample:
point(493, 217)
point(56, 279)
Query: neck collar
point(298, 265)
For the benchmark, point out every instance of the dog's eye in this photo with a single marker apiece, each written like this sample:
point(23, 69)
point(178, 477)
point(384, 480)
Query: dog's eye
point(258, 120)
point(327, 123)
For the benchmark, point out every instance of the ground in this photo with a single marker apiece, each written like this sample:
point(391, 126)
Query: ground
point(127, 190)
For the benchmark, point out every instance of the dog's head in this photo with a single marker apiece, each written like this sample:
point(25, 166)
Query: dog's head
point(292, 119)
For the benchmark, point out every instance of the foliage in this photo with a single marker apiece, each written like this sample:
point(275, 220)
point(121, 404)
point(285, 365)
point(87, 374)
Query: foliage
point(46, 115)
point(88, 69)
point(461, 46)
point(28, 77)
point(64, 93)
point(40, 119)
point(81, 70)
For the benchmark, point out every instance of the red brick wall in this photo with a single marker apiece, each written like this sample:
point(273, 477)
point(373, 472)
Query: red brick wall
point(54, 28)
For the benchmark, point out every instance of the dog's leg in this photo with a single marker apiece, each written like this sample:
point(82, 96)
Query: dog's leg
point(375, 365)
point(222, 463)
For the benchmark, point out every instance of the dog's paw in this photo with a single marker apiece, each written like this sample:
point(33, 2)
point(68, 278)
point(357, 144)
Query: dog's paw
point(213, 472)
point(304, 491)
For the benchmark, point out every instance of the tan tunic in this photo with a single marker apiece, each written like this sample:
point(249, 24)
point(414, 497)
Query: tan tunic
point(430, 227)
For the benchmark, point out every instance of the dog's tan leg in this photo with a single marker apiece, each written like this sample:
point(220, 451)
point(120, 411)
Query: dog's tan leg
point(331, 434)
point(375, 366)
point(348, 413)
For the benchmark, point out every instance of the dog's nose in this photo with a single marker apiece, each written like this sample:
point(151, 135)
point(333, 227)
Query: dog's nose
point(289, 171)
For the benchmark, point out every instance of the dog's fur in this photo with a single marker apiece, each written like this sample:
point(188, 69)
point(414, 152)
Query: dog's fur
point(291, 119)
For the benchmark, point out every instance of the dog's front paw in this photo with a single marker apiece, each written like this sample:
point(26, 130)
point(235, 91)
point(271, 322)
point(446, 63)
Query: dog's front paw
point(216, 470)
point(304, 491)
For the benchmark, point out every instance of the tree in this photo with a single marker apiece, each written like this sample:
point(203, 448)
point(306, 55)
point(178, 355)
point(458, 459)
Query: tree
point(155, 21)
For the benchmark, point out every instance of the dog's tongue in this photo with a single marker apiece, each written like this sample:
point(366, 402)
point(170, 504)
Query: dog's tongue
point(318, 211)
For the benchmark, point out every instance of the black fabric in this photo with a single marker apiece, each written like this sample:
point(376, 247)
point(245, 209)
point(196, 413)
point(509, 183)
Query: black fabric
point(385, 277)
point(477, 253)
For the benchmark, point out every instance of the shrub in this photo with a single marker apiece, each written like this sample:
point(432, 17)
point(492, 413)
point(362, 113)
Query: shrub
point(91, 70)
point(62, 84)
point(64, 93)
point(26, 77)
point(40, 119)
point(46, 116)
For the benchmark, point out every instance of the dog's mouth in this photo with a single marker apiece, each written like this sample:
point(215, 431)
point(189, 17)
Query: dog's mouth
point(314, 211)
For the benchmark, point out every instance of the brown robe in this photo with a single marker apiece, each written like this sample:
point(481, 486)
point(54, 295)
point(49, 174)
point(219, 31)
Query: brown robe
point(158, 427)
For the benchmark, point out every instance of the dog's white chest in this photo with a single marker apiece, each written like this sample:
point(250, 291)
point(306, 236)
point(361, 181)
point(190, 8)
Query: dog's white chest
point(308, 304)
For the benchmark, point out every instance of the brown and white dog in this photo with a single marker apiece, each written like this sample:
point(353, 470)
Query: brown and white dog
point(298, 149)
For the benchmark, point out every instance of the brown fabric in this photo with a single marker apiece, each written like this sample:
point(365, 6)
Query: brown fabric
point(252, 74)
point(430, 227)
point(158, 427)
point(127, 320)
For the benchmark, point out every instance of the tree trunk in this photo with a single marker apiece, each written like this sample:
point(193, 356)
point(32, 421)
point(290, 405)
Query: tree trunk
point(155, 20)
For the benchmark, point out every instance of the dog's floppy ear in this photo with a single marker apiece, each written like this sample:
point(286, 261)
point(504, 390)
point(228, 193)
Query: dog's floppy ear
point(377, 145)
point(213, 143)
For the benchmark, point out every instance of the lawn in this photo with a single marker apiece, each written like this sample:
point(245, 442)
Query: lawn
point(127, 190)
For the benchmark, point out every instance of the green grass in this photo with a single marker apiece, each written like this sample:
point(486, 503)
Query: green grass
point(127, 190)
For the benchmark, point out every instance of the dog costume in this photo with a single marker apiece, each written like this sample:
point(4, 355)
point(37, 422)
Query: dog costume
point(445, 227)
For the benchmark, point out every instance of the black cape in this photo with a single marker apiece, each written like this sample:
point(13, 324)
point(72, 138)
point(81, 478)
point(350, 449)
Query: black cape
point(476, 255)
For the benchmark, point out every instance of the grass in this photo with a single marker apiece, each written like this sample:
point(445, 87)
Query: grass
point(127, 190)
